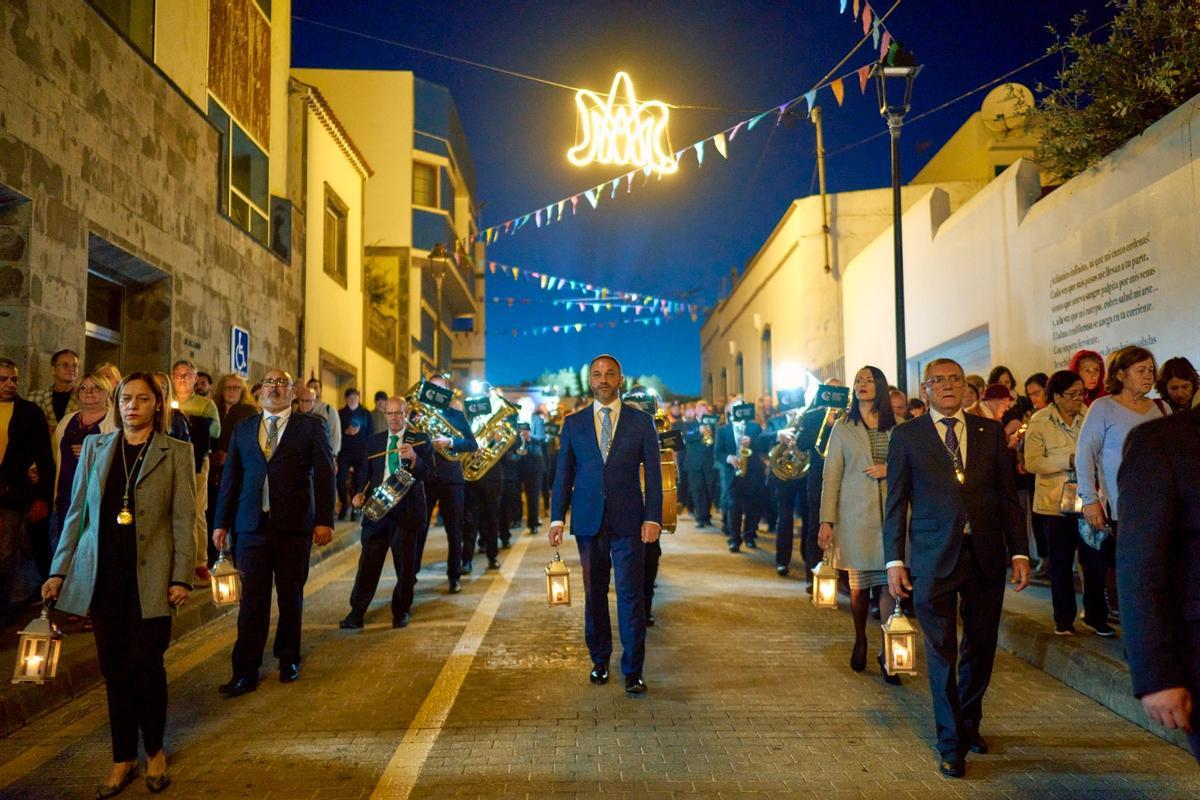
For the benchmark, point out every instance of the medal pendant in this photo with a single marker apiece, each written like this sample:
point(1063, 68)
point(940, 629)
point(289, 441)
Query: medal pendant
point(962, 476)
point(124, 517)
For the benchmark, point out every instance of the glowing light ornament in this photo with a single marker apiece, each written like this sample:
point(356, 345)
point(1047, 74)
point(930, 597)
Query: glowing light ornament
point(622, 131)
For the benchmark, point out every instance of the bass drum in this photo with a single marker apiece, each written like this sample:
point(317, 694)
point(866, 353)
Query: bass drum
point(670, 490)
point(388, 494)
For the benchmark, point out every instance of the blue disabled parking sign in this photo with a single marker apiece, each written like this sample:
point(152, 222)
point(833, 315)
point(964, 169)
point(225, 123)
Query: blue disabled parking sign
point(239, 351)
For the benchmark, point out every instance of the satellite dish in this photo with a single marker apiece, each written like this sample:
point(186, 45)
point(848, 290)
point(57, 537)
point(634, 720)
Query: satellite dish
point(1005, 108)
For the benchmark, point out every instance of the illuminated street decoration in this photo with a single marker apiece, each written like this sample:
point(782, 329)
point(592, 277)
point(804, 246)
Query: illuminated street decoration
point(622, 131)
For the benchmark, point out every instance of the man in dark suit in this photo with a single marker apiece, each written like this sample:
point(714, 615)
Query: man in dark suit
point(26, 477)
point(779, 432)
point(697, 463)
point(1158, 568)
point(745, 491)
point(278, 496)
point(390, 450)
point(954, 474)
point(352, 459)
point(603, 449)
point(447, 488)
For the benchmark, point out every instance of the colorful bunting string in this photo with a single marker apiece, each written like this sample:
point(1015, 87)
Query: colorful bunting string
point(872, 26)
point(580, 327)
point(598, 295)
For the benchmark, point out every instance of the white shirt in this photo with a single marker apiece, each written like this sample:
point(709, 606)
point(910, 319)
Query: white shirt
point(598, 418)
point(284, 416)
point(262, 445)
point(961, 431)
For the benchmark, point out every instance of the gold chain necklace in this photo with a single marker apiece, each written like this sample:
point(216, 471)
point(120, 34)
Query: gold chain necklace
point(125, 516)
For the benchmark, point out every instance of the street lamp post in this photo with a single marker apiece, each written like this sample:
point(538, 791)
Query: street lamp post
point(437, 261)
point(894, 76)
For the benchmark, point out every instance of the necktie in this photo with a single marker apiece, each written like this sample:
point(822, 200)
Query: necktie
point(606, 432)
point(952, 443)
point(393, 459)
point(272, 441)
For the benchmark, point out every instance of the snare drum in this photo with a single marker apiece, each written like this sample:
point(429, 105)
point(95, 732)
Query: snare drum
point(388, 494)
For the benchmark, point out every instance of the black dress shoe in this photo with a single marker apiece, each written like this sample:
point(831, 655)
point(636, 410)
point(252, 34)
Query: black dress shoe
point(157, 783)
point(952, 766)
point(289, 673)
point(977, 744)
point(752, 544)
point(109, 790)
point(237, 687)
point(505, 544)
point(781, 570)
point(493, 563)
point(858, 656)
point(888, 678)
point(599, 674)
point(468, 567)
point(455, 587)
point(402, 620)
point(351, 623)
point(734, 548)
point(634, 684)
point(649, 620)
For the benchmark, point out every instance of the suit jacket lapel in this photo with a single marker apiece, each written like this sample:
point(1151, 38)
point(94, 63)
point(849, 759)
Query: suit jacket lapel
point(587, 430)
point(622, 430)
point(156, 451)
point(252, 432)
point(934, 439)
point(976, 443)
point(105, 456)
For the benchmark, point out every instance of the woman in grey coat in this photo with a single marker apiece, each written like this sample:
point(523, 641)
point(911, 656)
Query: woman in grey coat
point(127, 554)
point(852, 499)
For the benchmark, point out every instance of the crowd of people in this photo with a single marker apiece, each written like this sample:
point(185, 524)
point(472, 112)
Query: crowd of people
point(119, 493)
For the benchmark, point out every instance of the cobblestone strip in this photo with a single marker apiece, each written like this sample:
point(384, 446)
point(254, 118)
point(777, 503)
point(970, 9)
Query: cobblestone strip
point(402, 771)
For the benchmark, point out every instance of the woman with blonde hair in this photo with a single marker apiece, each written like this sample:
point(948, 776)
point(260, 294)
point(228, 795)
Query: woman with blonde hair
point(126, 555)
point(95, 415)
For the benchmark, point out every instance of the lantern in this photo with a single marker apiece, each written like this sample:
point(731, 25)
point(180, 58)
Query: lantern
point(899, 644)
point(226, 583)
point(38, 648)
point(558, 582)
point(825, 579)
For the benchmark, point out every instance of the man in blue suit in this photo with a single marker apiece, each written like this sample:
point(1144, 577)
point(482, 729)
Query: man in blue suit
point(277, 496)
point(744, 504)
point(954, 474)
point(603, 449)
point(1158, 568)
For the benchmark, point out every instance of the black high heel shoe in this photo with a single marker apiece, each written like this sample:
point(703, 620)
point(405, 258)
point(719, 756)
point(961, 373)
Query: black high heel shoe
point(106, 790)
point(858, 657)
point(893, 680)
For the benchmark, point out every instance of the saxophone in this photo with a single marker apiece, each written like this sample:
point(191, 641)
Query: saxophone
point(429, 420)
point(495, 434)
point(743, 463)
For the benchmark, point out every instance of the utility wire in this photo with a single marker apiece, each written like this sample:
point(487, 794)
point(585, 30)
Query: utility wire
point(493, 68)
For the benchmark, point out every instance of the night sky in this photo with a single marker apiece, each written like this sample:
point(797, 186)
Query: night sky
point(678, 237)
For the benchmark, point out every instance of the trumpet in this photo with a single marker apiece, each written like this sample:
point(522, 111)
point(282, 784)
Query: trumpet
point(743, 463)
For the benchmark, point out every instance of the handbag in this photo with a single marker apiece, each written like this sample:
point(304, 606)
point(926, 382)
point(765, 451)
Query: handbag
point(1071, 503)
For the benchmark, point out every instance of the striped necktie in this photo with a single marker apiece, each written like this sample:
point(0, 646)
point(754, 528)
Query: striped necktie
point(606, 432)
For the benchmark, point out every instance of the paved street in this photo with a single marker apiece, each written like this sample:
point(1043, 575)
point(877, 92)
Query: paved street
point(486, 695)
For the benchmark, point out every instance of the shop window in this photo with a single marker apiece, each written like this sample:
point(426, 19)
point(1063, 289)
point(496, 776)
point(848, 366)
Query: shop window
point(104, 326)
point(425, 177)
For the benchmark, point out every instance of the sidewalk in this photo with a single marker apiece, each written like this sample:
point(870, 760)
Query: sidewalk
point(1093, 666)
point(78, 666)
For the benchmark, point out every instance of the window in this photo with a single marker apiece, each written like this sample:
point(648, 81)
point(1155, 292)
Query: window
point(244, 173)
point(334, 241)
point(134, 18)
point(768, 382)
point(105, 321)
point(425, 178)
point(741, 375)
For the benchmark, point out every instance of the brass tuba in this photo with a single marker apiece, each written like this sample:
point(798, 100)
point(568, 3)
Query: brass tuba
point(486, 427)
point(787, 462)
point(428, 419)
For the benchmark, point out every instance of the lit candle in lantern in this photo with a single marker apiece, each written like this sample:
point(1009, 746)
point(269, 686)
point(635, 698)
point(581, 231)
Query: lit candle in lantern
point(899, 644)
point(38, 648)
point(558, 582)
point(226, 582)
point(825, 580)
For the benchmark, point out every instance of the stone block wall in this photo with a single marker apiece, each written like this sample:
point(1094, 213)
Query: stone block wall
point(102, 143)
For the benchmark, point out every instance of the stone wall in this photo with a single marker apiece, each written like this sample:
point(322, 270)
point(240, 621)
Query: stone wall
point(104, 145)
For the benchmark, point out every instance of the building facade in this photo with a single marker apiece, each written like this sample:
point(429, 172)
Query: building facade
point(423, 195)
point(793, 309)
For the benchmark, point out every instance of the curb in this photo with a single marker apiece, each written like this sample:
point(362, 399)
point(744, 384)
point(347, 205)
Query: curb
point(79, 666)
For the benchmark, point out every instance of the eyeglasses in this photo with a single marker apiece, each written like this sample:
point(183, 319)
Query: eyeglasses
point(269, 382)
point(393, 413)
point(1077, 395)
point(89, 389)
point(952, 380)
